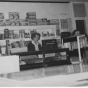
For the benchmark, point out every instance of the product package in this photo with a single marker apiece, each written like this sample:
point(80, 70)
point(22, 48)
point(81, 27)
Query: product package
point(31, 15)
point(11, 15)
point(6, 33)
point(25, 22)
point(16, 34)
point(1, 16)
point(11, 34)
point(18, 22)
point(2, 23)
point(14, 15)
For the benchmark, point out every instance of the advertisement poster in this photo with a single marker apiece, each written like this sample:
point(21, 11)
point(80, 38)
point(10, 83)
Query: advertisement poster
point(64, 23)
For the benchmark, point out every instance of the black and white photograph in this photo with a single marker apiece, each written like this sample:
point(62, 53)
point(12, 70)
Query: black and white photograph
point(44, 43)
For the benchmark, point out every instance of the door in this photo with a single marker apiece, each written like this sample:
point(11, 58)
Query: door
point(80, 25)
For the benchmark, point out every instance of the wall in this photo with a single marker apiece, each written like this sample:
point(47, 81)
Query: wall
point(43, 10)
point(79, 18)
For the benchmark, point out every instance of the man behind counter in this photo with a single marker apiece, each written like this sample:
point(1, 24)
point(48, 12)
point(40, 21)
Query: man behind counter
point(34, 45)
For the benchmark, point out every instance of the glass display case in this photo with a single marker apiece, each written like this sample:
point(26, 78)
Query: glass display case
point(56, 57)
point(39, 59)
point(76, 45)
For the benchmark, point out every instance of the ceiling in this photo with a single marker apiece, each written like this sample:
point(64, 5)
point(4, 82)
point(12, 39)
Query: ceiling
point(49, 0)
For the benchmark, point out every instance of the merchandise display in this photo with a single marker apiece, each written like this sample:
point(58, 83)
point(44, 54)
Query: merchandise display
point(25, 22)
point(54, 21)
point(2, 22)
point(29, 20)
point(78, 45)
point(14, 15)
point(44, 58)
point(2, 35)
point(3, 48)
point(18, 22)
point(1, 16)
point(31, 15)
point(20, 37)
point(18, 41)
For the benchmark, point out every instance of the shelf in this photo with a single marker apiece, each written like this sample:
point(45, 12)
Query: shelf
point(18, 50)
point(69, 39)
point(25, 39)
point(75, 62)
point(72, 39)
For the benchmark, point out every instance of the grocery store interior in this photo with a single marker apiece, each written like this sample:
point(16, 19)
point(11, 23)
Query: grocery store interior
point(43, 43)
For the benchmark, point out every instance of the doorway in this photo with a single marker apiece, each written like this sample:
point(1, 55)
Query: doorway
point(80, 25)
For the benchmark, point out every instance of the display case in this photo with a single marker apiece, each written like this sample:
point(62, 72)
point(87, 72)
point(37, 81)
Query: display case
point(20, 36)
point(77, 43)
point(30, 60)
point(39, 59)
point(56, 57)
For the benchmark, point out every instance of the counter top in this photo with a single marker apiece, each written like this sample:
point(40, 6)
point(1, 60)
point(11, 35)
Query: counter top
point(58, 80)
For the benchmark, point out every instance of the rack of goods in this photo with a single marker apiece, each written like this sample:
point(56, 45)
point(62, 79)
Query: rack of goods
point(76, 46)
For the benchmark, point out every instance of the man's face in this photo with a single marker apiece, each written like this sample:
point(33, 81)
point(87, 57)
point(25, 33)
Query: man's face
point(77, 33)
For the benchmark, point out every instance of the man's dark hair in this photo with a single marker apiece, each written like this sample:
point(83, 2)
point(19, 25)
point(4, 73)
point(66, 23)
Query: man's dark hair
point(73, 33)
point(34, 35)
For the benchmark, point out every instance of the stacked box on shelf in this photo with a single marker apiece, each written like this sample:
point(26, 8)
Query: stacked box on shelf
point(44, 21)
point(8, 23)
point(48, 33)
point(11, 34)
point(1, 34)
point(21, 33)
point(3, 47)
point(2, 22)
point(58, 30)
point(25, 22)
point(14, 15)
point(54, 22)
point(31, 17)
point(15, 44)
point(16, 34)
point(27, 33)
point(26, 43)
point(6, 33)
point(41, 22)
point(7, 47)
point(18, 22)
point(32, 22)
point(12, 23)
